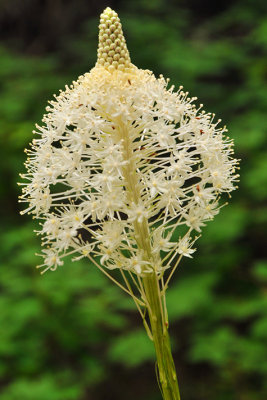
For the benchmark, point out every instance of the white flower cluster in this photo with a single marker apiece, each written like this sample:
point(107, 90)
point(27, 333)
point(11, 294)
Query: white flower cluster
point(122, 166)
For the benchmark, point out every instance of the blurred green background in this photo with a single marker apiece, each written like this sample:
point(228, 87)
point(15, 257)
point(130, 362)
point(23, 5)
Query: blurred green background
point(71, 334)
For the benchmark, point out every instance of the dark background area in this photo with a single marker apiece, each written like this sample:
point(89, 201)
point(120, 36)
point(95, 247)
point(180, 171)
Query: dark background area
point(71, 334)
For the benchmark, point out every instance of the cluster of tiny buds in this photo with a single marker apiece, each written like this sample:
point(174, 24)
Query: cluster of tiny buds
point(112, 50)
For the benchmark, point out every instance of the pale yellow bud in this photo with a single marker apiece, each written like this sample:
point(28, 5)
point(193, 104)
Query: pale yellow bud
point(112, 50)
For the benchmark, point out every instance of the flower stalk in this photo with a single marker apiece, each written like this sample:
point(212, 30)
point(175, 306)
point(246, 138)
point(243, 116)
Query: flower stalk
point(154, 297)
point(167, 378)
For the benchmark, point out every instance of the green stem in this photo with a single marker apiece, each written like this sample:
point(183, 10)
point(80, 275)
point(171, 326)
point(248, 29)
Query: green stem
point(152, 294)
point(159, 328)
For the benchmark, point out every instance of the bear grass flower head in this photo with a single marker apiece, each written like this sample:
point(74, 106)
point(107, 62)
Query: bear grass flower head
point(123, 162)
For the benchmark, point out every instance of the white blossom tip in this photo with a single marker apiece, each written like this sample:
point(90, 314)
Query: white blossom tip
point(112, 50)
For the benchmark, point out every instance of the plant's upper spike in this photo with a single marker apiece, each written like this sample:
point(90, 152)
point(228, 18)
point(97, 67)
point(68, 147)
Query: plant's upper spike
point(112, 50)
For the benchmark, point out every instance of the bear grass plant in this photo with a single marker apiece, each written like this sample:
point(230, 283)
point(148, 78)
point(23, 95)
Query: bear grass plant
point(125, 172)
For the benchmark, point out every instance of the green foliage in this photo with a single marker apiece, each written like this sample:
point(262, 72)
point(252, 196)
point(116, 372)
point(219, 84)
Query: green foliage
point(135, 344)
point(67, 335)
point(50, 325)
point(190, 295)
point(43, 389)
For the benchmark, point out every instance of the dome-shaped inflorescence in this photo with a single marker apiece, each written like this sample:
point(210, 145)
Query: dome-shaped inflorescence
point(122, 163)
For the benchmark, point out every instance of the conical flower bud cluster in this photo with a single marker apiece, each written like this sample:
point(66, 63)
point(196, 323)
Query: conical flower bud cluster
point(112, 50)
point(123, 165)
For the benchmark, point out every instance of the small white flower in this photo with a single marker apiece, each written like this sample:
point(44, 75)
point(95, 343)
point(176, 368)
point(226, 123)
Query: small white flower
point(181, 164)
point(161, 243)
point(195, 217)
point(184, 247)
point(156, 183)
point(203, 194)
point(65, 238)
point(110, 235)
point(108, 256)
point(85, 251)
point(51, 226)
point(104, 181)
point(137, 212)
point(138, 265)
point(51, 259)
